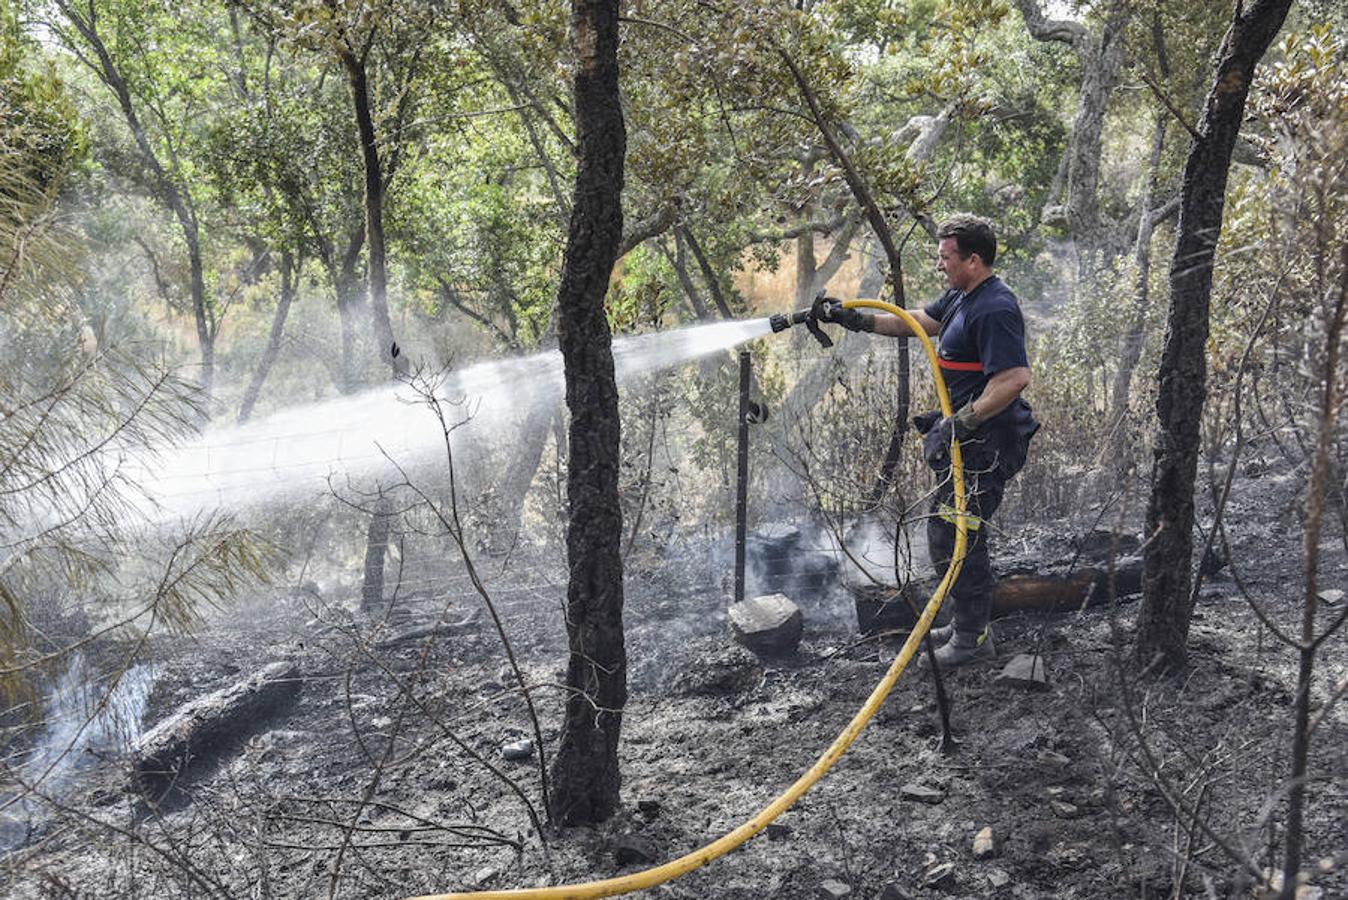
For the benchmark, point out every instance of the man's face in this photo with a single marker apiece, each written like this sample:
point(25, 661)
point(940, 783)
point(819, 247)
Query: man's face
point(960, 272)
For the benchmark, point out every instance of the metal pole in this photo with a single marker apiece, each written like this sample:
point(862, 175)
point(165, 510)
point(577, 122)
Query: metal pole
point(742, 477)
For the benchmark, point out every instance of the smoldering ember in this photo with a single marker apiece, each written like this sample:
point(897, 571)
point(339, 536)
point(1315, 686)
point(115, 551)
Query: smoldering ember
point(851, 449)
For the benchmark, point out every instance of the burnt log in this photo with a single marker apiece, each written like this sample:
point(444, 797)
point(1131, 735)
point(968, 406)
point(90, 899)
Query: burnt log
point(884, 609)
point(204, 728)
point(1088, 586)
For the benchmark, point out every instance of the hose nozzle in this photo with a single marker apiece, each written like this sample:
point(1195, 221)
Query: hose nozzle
point(783, 321)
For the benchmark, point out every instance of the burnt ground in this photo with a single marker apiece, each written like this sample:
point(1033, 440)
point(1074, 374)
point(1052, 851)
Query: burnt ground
point(367, 786)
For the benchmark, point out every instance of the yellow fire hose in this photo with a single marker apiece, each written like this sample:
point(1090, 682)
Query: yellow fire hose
point(675, 868)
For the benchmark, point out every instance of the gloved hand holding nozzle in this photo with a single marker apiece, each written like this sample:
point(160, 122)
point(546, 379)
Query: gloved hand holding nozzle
point(824, 309)
point(831, 310)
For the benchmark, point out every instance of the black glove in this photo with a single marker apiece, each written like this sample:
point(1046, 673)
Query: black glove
point(831, 310)
point(936, 443)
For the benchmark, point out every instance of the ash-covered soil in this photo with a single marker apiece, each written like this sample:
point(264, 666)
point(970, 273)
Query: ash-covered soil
point(387, 777)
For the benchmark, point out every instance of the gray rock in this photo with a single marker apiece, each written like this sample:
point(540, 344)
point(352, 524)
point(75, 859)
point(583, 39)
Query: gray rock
point(649, 808)
point(998, 878)
point(833, 889)
point(518, 750)
point(1025, 670)
point(730, 670)
point(633, 849)
point(779, 832)
point(1064, 810)
point(770, 625)
point(921, 793)
point(1331, 596)
point(894, 891)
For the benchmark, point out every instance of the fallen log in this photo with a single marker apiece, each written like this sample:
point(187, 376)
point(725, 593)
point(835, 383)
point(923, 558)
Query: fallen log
point(881, 609)
point(204, 728)
point(1088, 586)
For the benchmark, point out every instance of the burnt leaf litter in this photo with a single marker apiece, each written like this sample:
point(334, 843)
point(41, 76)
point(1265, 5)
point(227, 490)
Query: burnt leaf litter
point(389, 773)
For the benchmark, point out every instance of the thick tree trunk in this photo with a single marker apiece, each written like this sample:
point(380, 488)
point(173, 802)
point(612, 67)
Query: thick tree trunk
point(1163, 623)
point(585, 771)
point(374, 212)
point(289, 280)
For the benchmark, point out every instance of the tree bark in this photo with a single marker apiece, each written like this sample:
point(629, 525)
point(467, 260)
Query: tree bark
point(289, 283)
point(374, 210)
point(585, 772)
point(1163, 623)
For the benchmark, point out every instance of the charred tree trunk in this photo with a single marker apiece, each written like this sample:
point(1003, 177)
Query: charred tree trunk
point(1163, 623)
point(585, 772)
point(289, 283)
point(376, 551)
point(374, 210)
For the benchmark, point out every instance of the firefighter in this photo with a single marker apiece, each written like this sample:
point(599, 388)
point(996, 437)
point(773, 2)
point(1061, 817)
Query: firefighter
point(981, 348)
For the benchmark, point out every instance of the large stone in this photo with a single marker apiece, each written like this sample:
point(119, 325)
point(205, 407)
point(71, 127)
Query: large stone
point(921, 793)
point(769, 625)
point(1025, 670)
point(984, 844)
point(1331, 596)
point(205, 727)
point(728, 671)
point(634, 849)
point(517, 751)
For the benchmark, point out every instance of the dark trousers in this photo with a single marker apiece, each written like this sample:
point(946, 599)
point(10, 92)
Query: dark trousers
point(988, 465)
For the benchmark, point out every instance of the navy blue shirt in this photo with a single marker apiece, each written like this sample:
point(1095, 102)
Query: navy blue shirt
point(982, 333)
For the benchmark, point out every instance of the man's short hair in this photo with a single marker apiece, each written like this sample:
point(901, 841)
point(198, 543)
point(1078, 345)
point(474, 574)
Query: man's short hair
point(972, 234)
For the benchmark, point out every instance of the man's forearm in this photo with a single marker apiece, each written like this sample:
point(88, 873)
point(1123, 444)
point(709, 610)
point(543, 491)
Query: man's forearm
point(1001, 391)
point(893, 326)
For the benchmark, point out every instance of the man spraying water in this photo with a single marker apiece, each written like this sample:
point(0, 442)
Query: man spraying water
point(981, 349)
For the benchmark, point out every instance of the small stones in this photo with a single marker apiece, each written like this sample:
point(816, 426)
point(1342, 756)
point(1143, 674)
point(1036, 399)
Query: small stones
point(939, 875)
point(832, 889)
point(984, 844)
point(634, 849)
point(1064, 810)
point(1025, 670)
point(921, 793)
point(770, 624)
